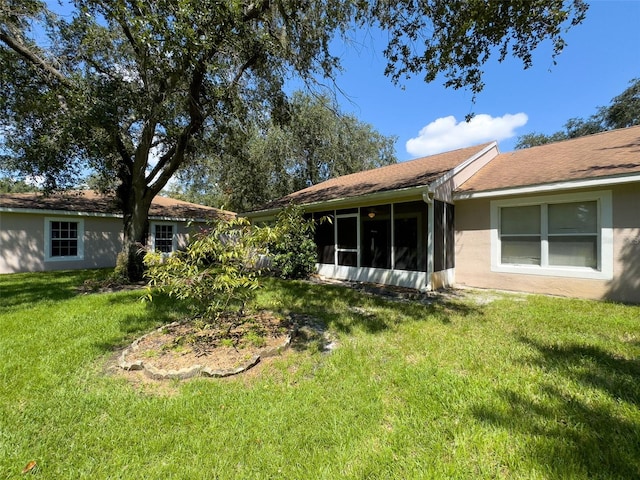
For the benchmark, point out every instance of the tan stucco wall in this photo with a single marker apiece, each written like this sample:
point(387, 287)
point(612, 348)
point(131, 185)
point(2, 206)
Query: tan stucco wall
point(22, 243)
point(473, 253)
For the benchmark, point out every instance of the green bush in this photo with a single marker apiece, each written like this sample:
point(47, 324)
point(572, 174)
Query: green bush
point(216, 272)
point(292, 250)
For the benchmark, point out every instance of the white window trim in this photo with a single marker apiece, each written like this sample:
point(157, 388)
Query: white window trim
point(152, 235)
point(47, 239)
point(605, 237)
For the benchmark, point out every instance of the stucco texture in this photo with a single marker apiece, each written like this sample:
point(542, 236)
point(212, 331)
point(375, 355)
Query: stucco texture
point(473, 254)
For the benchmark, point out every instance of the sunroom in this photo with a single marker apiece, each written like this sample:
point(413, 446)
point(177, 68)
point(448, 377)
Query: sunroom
point(392, 225)
point(407, 243)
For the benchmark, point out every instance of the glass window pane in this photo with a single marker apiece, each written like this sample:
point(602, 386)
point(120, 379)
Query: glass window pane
point(520, 220)
point(164, 238)
point(574, 251)
point(64, 239)
point(521, 250)
point(578, 217)
point(348, 232)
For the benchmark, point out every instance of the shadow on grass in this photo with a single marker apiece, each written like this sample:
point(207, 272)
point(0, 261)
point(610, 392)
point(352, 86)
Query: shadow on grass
point(23, 289)
point(161, 311)
point(345, 308)
point(594, 367)
point(569, 430)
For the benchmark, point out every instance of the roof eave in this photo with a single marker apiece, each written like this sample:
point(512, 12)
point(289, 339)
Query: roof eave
point(335, 203)
point(547, 187)
point(73, 213)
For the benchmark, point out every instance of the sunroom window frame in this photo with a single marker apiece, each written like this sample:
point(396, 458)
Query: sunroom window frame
point(604, 235)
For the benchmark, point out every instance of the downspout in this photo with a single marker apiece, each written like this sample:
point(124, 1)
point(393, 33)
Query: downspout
point(427, 197)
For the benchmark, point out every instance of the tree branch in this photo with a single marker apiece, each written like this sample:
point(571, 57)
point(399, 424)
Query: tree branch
point(254, 11)
point(161, 163)
point(22, 50)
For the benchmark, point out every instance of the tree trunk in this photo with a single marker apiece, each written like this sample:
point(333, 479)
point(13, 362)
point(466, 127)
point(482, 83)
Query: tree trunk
point(135, 208)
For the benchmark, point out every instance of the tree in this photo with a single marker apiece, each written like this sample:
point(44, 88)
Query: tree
point(623, 112)
point(312, 143)
point(324, 144)
point(128, 88)
point(7, 185)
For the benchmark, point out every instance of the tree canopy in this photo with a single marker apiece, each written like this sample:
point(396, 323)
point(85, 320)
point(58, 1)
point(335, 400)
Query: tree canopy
point(623, 112)
point(131, 88)
point(274, 157)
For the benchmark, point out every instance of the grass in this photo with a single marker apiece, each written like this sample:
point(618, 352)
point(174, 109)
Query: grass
point(521, 387)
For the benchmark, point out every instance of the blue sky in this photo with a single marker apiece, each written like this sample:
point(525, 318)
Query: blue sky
point(601, 57)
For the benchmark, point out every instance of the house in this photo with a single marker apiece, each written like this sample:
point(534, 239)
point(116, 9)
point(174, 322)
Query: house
point(562, 218)
point(83, 229)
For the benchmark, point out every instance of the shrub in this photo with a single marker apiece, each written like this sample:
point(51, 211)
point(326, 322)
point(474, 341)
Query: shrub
point(292, 249)
point(215, 271)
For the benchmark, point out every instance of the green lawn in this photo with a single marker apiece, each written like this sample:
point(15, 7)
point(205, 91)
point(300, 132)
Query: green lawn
point(520, 387)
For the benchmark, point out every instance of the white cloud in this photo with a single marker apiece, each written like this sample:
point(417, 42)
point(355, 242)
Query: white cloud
point(446, 133)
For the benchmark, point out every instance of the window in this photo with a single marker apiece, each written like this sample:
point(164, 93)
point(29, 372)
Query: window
point(64, 239)
point(573, 234)
point(562, 235)
point(520, 235)
point(163, 237)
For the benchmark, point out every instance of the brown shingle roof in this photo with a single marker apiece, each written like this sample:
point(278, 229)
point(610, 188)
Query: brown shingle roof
point(91, 202)
point(414, 173)
point(606, 154)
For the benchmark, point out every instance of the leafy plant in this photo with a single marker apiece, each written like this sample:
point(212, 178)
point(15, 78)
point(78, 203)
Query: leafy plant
point(293, 251)
point(216, 272)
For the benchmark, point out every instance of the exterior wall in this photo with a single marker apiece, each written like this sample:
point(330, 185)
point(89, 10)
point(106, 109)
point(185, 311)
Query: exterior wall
point(22, 242)
point(473, 253)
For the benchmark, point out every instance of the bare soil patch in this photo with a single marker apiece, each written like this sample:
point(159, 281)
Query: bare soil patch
point(183, 350)
point(223, 346)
